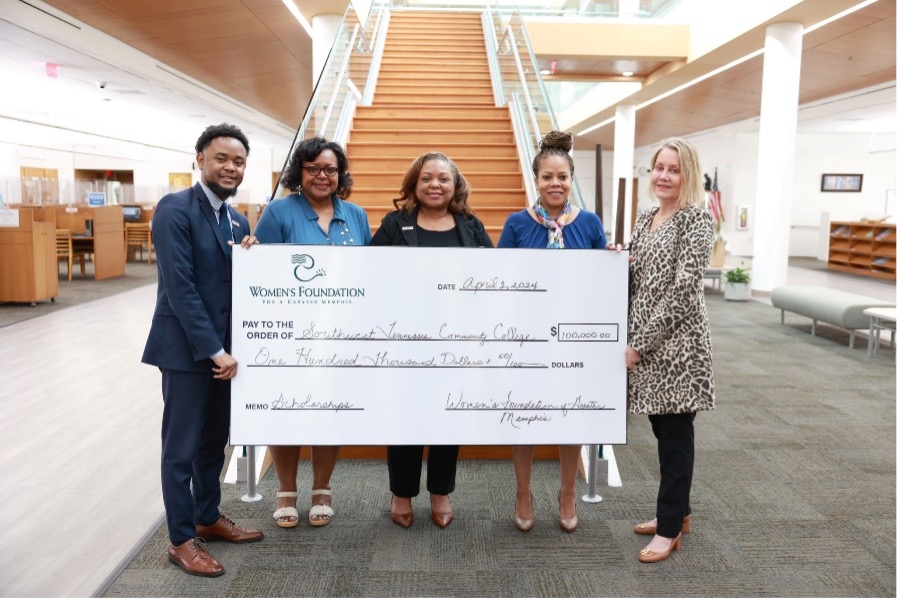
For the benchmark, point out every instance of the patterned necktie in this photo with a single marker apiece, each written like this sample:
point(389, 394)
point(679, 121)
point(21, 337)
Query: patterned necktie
point(225, 227)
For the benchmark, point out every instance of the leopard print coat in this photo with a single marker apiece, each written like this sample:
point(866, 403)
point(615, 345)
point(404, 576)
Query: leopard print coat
point(667, 315)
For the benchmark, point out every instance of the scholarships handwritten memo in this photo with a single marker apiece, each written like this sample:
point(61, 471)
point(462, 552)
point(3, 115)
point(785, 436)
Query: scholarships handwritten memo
point(395, 345)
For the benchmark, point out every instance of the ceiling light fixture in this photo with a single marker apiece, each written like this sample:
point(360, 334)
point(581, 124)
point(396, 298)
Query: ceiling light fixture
point(728, 66)
point(545, 71)
point(289, 4)
point(628, 73)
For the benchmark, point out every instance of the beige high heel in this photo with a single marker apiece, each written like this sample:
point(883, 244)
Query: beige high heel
point(648, 556)
point(524, 524)
point(567, 524)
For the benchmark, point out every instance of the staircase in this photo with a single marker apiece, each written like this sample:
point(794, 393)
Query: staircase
point(434, 94)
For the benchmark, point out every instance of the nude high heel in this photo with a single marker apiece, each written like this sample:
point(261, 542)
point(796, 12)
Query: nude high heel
point(567, 524)
point(524, 524)
point(648, 556)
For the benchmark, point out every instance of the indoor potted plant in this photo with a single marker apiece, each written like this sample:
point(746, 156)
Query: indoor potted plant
point(738, 283)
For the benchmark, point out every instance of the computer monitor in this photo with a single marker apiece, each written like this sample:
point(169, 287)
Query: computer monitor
point(131, 212)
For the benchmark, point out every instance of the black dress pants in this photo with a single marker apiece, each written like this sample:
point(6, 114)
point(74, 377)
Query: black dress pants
point(676, 450)
point(405, 467)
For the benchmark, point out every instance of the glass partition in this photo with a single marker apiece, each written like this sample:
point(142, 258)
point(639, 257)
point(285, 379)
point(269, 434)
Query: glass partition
point(524, 92)
point(342, 81)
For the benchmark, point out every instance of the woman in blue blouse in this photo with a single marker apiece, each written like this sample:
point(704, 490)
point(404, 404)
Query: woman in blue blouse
point(552, 222)
point(314, 214)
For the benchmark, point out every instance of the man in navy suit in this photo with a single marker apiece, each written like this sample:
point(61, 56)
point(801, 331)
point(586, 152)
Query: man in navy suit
point(193, 232)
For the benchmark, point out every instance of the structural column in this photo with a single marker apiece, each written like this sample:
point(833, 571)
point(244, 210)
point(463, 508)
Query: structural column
point(776, 155)
point(325, 28)
point(623, 161)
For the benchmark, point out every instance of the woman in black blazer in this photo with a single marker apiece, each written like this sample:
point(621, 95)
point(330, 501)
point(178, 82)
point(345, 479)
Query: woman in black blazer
point(432, 210)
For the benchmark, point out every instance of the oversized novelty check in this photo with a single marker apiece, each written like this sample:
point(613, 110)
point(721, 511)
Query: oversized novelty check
point(396, 345)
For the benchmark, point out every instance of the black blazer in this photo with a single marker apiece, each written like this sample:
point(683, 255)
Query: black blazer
point(399, 229)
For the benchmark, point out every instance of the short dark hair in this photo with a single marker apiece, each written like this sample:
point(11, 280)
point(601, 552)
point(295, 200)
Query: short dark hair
point(223, 130)
point(308, 150)
point(408, 202)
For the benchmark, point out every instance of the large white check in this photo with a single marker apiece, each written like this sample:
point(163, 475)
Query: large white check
point(392, 345)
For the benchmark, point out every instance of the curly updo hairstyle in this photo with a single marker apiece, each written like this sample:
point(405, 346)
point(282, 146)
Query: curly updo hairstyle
point(555, 143)
point(307, 151)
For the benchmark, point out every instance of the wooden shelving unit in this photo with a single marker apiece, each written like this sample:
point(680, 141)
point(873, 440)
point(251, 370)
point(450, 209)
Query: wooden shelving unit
point(863, 248)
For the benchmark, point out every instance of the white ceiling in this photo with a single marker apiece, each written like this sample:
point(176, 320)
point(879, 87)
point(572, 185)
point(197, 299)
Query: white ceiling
point(144, 105)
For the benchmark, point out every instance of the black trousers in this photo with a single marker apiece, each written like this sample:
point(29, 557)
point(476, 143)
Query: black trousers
point(676, 450)
point(405, 467)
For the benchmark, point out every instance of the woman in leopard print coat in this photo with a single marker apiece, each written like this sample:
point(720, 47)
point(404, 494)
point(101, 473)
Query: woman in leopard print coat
point(668, 356)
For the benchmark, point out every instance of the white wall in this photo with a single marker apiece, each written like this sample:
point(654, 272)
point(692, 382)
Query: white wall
point(584, 161)
point(151, 167)
point(735, 156)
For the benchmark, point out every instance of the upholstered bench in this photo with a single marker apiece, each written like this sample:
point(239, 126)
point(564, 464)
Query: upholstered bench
point(842, 309)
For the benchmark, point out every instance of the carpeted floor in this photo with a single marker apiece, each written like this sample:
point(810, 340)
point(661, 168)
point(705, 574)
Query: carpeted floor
point(794, 496)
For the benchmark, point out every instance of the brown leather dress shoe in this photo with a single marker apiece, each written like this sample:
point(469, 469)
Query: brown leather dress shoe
point(193, 558)
point(227, 530)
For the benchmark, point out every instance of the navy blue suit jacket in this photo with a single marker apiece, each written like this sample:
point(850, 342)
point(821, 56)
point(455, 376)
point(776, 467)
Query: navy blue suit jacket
point(193, 305)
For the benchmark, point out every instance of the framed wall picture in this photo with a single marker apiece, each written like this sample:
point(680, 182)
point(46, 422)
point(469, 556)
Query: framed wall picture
point(742, 217)
point(841, 182)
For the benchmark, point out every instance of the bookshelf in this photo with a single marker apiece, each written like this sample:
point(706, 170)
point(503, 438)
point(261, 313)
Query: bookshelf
point(863, 248)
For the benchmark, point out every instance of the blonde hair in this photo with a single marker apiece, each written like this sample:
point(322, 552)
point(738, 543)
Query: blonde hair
point(691, 192)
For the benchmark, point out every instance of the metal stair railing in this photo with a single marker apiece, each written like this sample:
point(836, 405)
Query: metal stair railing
point(520, 86)
point(356, 49)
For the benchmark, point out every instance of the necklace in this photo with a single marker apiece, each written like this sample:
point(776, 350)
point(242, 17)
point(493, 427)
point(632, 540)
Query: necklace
point(346, 236)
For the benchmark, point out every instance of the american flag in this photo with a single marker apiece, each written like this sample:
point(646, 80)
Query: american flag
point(715, 203)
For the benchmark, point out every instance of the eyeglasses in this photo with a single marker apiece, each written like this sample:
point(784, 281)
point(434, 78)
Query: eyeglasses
point(315, 170)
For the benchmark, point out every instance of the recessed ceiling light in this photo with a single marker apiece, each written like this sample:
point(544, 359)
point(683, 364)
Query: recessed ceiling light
point(628, 73)
point(545, 71)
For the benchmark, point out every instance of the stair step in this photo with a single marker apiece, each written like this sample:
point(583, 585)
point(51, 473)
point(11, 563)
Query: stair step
point(398, 164)
point(496, 203)
point(392, 180)
point(414, 149)
point(414, 80)
point(416, 123)
point(437, 19)
point(476, 39)
point(419, 62)
point(429, 71)
point(419, 110)
point(434, 136)
point(416, 49)
point(436, 23)
point(423, 96)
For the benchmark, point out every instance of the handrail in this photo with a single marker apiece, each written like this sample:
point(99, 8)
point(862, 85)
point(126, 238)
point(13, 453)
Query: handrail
point(336, 94)
point(522, 89)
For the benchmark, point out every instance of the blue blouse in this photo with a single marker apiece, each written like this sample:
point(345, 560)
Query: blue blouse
point(521, 231)
point(292, 220)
